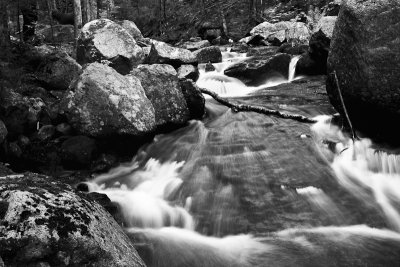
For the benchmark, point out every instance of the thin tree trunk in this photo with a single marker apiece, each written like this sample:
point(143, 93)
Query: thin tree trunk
point(4, 32)
point(77, 17)
point(51, 7)
point(223, 19)
point(85, 11)
point(98, 8)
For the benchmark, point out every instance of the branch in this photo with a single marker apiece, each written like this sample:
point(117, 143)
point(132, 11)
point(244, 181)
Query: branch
point(261, 110)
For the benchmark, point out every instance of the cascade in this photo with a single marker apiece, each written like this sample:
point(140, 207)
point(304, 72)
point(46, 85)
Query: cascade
point(292, 68)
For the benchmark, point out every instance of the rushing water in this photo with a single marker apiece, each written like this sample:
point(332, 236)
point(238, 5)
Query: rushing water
point(246, 189)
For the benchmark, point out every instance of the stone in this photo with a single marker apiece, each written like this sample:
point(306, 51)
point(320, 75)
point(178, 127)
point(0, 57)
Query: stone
point(57, 70)
point(256, 71)
point(291, 49)
point(64, 128)
point(104, 40)
point(365, 54)
point(326, 25)
point(78, 151)
point(46, 132)
point(195, 45)
point(209, 67)
point(188, 72)
point(208, 54)
point(3, 132)
point(132, 29)
point(161, 85)
point(162, 53)
point(194, 99)
point(104, 103)
point(47, 223)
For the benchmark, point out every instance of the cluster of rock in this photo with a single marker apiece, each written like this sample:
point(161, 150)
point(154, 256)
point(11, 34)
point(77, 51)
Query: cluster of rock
point(114, 91)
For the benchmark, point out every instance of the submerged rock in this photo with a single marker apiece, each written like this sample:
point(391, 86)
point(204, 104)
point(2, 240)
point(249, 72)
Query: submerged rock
point(255, 71)
point(45, 223)
point(365, 53)
point(102, 102)
point(161, 85)
point(208, 54)
point(103, 39)
point(162, 53)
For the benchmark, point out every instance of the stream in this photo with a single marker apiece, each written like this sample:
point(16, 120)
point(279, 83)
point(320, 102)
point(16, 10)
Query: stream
point(246, 189)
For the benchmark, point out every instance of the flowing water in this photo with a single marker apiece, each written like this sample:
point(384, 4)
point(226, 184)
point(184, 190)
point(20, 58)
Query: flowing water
point(246, 189)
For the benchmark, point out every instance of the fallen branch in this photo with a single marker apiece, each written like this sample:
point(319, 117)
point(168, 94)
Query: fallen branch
point(261, 110)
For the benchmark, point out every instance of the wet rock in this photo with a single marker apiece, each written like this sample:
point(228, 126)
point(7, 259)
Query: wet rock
point(291, 49)
point(103, 39)
point(59, 34)
point(161, 84)
point(103, 163)
point(365, 54)
point(196, 45)
point(255, 40)
point(208, 54)
point(3, 132)
point(326, 25)
point(102, 103)
point(194, 99)
point(57, 71)
point(264, 52)
point(46, 132)
point(188, 72)
point(132, 29)
point(44, 222)
point(314, 61)
point(255, 71)
point(162, 53)
point(78, 151)
point(209, 67)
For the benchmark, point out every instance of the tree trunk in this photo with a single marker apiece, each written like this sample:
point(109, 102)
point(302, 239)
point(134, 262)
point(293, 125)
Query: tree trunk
point(223, 19)
point(4, 33)
point(85, 11)
point(77, 17)
point(98, 2)
point(29, 13)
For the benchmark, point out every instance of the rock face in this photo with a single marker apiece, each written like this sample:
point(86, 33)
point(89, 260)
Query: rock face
point(326, 25)
point(162, 53)
point(132, 29)
point(102, 102)
point(208, 54)
point(103, 39)
point(365, 53)
point(57, 71)
point(255, 71)
point(45, 223)
point(161, 84)
point(188, 72)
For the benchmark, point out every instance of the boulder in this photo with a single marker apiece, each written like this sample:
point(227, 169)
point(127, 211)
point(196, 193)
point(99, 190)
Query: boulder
point(161, 85)
point(46, 223)
point(365, 54)
point(265, 29)
point(132, 29)
point(326, 25)
point(188, 72)
point(314, 61)
point(291, 49)
point(255, 71)
point(46, 132)
point(194, 99)
point(78, 151)
point(209, 67)
point(162, 53)
point(298, 33)
point(3, 132)
point(103, 39)
point(195, 45)
point(265, 52)
point(208, 54)
point(59, 34)
point(102, 102)
point(57, 70)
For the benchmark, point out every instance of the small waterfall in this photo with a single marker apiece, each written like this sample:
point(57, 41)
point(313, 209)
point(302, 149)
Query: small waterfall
point(292, 68)
point(362, 169)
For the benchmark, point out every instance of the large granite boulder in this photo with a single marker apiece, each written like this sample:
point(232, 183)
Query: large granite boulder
point(46, 223)
point(103, 39)
point(132, 29)
point(161, 85)
point(256, 71)
point(162, 53)
point(208, 54)
point(365, 54)
point(102, 102)
point(57, 70)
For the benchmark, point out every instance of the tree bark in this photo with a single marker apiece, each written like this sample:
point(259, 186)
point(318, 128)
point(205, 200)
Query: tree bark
point(261, 110)
point(29, 13)
point(77, 17)
point(4, 32)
